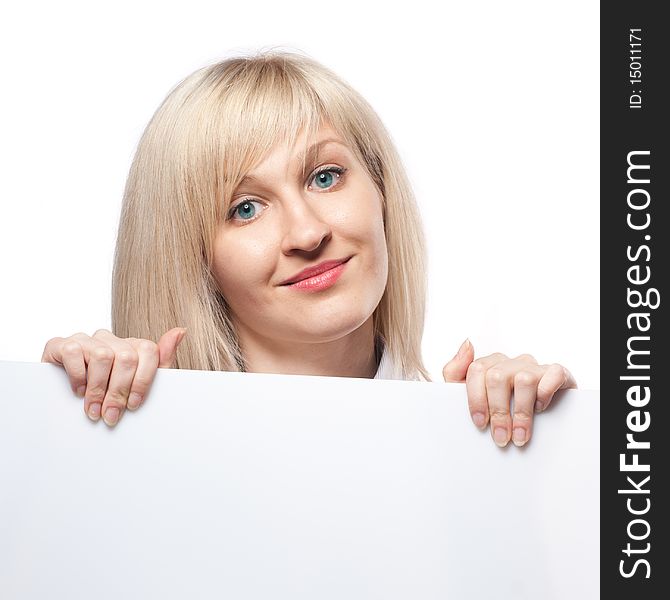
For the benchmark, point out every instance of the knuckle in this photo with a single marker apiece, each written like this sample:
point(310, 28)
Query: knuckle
point(103, 354)
point(148, 347)
point(522, 415)
point(499, 414)
point(495, 376)
point(525, 379)
point(71, 348)
point(117, 397)
point(127, 358)
point(556, 369)
point(53, 340)
point(95, 393)
point(555, 377)
point(101, 331)
point(477, 368)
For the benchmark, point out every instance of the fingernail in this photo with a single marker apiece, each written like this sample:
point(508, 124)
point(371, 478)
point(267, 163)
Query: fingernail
point(81, 391)
point(465, 346)
point(94, 411)
point(134, 401)
point(111, 415)
point(539, 407)
point(500, 436)
point(479, 419)
point(519, 436)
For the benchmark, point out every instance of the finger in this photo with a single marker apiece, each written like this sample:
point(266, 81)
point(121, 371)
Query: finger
point(456, 369)
point(100, 358)
point(499, 394)
point(555, 378)
point(69, 354)
point(475, 383)
point(125, 362)
point(167, 346)
point(52, 351)
point(72, 357)
point(147, 352)
point(525, 392)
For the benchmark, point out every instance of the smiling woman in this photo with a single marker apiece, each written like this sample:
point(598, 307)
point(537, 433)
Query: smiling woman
point(322, 233)
point(268, 213)
point(272, 165)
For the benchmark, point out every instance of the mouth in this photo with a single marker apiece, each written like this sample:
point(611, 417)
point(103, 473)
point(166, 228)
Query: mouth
point(317, 277)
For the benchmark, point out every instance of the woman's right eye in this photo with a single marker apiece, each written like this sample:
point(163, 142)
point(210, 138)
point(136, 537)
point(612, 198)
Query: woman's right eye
point(247, 210)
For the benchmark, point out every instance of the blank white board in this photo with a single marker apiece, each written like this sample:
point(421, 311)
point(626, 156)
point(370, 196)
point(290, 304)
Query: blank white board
point(251, 486)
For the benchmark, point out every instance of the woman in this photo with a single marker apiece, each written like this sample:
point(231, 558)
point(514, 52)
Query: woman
point(267, 214)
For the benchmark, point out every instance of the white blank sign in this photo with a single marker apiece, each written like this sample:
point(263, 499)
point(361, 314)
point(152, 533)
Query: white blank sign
point(251, 486)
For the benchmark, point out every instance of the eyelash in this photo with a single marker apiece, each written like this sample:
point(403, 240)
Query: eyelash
point(339, 170)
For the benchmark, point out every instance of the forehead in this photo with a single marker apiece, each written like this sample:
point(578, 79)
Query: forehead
point(304, 153)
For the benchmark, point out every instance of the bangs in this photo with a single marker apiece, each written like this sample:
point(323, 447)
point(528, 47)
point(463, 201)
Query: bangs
point(260, 104)
point(264, 105)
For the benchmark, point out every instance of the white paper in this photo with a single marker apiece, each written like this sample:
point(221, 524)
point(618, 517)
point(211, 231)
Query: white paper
point(250, 486)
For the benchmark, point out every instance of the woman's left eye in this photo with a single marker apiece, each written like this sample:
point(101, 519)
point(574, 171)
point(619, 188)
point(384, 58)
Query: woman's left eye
point(324, 178)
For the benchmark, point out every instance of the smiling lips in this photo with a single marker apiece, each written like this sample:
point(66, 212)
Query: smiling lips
point(318, 277)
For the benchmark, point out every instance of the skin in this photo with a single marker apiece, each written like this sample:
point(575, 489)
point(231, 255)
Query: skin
point(282, 221)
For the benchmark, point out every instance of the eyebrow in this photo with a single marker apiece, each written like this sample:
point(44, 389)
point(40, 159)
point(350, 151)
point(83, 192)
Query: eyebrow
point(310, 155)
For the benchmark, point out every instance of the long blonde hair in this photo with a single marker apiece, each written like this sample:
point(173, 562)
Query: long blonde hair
point(211, 129)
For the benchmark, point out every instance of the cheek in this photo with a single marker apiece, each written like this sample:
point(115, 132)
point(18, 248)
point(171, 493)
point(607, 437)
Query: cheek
point(364, 223)
point(380, 257)
point(240, 263)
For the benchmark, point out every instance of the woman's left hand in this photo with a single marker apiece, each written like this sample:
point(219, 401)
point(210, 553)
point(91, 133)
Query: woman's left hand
point(492, 380)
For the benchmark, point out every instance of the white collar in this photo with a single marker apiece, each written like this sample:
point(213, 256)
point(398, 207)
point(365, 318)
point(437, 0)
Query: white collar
point(386, 369)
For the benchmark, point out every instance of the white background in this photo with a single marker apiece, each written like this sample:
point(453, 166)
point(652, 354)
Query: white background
point(493, 106)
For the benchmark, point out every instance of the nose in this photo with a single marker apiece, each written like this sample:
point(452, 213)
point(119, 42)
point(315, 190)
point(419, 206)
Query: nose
point(305, 229)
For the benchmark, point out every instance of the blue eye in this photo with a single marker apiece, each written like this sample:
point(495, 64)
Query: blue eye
point(244, 211)
point(324, 178)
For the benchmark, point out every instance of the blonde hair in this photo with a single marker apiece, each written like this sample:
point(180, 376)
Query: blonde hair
point(211, 129)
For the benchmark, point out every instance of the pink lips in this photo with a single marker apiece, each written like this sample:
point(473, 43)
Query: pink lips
point(318, 277)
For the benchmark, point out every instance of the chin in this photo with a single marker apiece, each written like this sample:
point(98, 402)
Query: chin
point(326, 328)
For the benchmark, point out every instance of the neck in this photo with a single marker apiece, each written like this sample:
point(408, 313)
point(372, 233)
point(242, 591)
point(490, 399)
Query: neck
point(350, 356)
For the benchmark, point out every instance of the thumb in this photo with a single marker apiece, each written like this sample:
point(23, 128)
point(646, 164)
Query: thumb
point(167, 347)
point(456, 369)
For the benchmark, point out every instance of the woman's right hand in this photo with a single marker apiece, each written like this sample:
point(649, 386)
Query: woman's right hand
point(112, 373)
